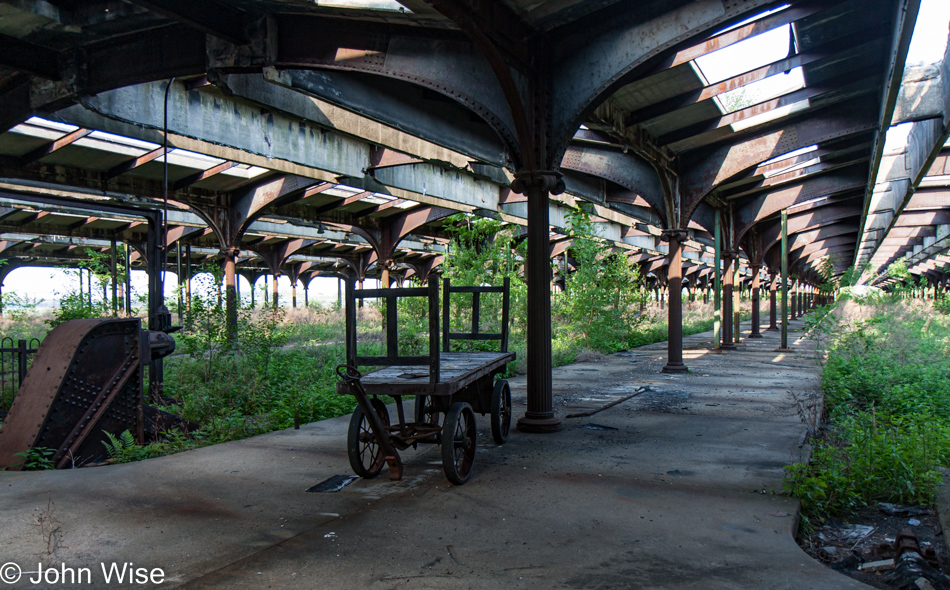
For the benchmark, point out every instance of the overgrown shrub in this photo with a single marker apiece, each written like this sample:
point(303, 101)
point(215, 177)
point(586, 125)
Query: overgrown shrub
point(887, 393)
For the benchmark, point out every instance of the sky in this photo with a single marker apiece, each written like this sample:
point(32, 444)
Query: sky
point(927, 46)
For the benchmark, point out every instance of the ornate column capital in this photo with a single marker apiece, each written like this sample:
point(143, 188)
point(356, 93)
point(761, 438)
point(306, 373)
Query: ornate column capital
point(550, 181)
point(679, 235)
point(230, 252)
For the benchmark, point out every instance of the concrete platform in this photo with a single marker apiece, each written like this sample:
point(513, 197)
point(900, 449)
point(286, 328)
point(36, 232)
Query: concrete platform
point(676, 488)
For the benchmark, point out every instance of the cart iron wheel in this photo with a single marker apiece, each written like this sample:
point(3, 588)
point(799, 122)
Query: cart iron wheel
point(458, 442)
point(425, 411)
point(501, 411)
point(366, 456)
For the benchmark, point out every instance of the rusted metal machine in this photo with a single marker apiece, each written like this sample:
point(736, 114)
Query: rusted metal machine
point(448, 387)
point(86, 380)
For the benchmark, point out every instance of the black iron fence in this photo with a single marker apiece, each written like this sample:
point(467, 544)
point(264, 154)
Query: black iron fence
point(15, 358)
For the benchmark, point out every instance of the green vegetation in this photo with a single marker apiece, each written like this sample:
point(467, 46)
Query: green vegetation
point(277, 371)
point(123, 448)
point(37, 459)
point(887, 393)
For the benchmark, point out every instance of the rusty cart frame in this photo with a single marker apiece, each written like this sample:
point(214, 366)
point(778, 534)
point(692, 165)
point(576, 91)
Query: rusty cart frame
point(448, 387)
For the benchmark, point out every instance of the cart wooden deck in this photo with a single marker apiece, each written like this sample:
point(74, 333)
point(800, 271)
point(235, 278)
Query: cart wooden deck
point(456, 371)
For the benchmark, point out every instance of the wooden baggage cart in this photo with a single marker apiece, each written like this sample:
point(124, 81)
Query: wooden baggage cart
point(448, 387)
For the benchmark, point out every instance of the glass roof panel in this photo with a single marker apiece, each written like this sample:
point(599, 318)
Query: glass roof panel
point(745, 55)
point(761, 91)
point(770, 115)
point(391, 5)
point(791, 154)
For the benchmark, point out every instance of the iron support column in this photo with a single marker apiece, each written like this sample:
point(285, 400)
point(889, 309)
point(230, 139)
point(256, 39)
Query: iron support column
point(274, 290)
point(736, 301)
point(773, 288)
point(674, 277)
point(755, 302)
point(115, 278)
point(729, 258)
point(230, 292)
point(128, 281)
point(537, 186)
point(188, 273)
point(717, 286)
point(784, 342)
point(794, 299)
point(181, 277)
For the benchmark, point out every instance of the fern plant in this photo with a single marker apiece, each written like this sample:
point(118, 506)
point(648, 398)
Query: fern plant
point(123, 448)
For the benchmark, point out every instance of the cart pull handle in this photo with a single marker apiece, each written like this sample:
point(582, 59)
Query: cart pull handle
point(348, 373)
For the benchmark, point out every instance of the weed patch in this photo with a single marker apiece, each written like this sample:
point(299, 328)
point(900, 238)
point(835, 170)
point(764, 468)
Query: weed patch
point(887, 393)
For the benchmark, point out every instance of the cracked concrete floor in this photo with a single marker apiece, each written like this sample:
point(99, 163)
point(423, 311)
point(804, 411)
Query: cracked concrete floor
point(675, 488)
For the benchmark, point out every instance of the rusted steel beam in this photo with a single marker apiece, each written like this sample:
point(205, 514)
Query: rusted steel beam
point(738, 34)
point(627, 170)
point(49, 148)
point(838, 49)
point(705, 169)
point(850, 179)
point(379, 207)
point(30, 58)
point(797, 96)
point(929, 199)
point(802, 239)
point(341, 203)
point(248, 204)
point(207, 16)
point(918, 218)
point(133, 163)
point(191, 179)
point(381, 157)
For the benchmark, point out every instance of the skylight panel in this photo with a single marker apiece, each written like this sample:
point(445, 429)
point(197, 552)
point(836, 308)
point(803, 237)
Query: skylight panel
point(390, 5)
point(761, 91)
point(798, 166)
point(771, 115)
point(341, 190)
point(745, 55)
point(54, 125)
point(791, 154)
point(121, 140)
